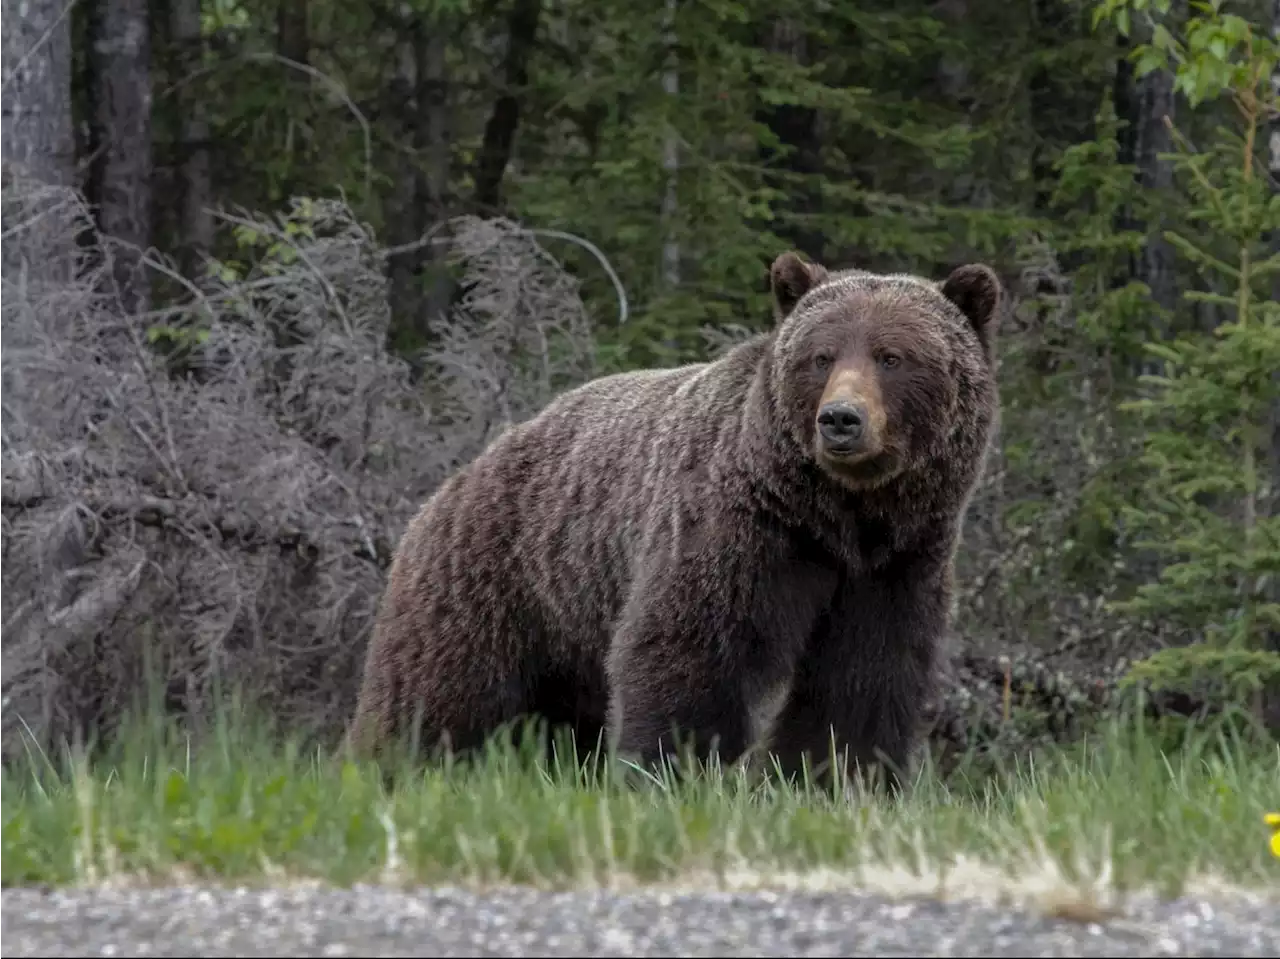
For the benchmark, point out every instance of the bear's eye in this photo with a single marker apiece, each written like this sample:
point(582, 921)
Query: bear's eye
point(822, 361)
point(890, 360)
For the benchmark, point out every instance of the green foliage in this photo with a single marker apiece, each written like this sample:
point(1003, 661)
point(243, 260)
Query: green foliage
point(1205, 444)
point(1093, 195)
point(890, 172)
point(1086, 327)
point(875, 133)
point(1216, 673)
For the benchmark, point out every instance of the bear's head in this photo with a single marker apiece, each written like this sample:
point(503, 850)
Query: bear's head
point(878, 375)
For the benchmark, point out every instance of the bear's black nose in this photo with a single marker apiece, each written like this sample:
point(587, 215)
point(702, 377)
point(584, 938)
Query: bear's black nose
point(841, 423)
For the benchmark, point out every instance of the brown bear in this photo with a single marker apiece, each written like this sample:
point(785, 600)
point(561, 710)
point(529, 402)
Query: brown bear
point(752, 551)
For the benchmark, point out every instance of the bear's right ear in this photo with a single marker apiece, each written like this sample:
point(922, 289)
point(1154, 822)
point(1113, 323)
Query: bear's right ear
point(791, 278)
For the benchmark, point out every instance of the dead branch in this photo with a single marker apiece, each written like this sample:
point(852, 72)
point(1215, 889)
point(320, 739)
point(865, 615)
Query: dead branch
point(217, 488)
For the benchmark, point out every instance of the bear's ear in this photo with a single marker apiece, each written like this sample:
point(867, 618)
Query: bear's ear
point(976, 290)
point(791, 278)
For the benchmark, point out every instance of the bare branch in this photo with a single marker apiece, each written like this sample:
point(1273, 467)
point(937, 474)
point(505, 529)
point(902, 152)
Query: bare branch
point(35, 47)
point(225, 491)
point(430, 238)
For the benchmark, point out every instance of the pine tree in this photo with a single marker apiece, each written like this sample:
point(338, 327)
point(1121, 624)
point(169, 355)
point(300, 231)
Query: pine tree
point(1206, 446)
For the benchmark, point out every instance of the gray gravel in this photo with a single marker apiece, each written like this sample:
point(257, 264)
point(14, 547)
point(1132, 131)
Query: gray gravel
point(375, 921)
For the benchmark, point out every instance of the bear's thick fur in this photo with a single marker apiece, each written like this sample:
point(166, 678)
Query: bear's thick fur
point(752, 551)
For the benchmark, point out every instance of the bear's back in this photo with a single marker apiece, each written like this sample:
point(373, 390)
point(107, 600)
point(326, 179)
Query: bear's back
point(557, 505)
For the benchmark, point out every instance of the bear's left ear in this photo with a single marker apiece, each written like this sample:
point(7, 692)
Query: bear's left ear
point(976, 290)
point(790, 278)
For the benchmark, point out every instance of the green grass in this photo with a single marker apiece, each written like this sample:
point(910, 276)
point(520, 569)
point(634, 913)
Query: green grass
point(247, 806)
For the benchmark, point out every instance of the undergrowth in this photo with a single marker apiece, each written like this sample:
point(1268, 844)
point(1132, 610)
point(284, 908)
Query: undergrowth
point(1131, 806)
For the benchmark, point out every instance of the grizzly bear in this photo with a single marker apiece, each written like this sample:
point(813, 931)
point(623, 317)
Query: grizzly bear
point(755, 551)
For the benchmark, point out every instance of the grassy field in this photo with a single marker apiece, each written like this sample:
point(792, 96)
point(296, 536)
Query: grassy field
point(1117, 814)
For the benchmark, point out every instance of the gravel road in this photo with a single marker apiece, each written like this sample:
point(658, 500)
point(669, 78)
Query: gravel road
point(374, 921)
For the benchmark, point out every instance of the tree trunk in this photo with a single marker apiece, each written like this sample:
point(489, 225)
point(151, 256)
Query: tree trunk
point(40, 251)
point(434, 144)
point(671, 157)
point(420, 287)
point(37, 138)
point(293, 43)
point(121, 81)
point(1271, 504)
point(1154, 265)
point(796, 127)
point(195, 185)
point(955, 83)
point(500, 130)
point(293, 37)
point(37, 91)
point(404, 220)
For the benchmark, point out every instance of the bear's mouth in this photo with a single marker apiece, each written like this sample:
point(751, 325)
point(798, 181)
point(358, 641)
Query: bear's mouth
point(850, 451)
point(842, 452)
point(858, 466)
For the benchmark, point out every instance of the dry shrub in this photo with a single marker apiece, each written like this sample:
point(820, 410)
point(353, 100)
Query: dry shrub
point(214, 491)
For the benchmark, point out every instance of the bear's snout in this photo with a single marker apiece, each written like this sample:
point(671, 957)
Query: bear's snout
point(842, 425)
point(850, 422)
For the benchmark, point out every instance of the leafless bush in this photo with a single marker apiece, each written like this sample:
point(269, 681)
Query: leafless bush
point(720, 339)
point(216, 490)
point(519, 335)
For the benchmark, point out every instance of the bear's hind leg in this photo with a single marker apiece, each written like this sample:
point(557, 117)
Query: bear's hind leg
point(438, 693)
point(573, 704)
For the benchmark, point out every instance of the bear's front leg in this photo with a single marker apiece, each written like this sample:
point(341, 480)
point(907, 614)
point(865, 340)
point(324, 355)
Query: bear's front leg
point(678, 672)
point(866, 674)
point(669, 696)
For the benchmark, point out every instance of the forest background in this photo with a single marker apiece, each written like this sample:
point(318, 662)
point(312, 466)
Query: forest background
point(274, 268)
